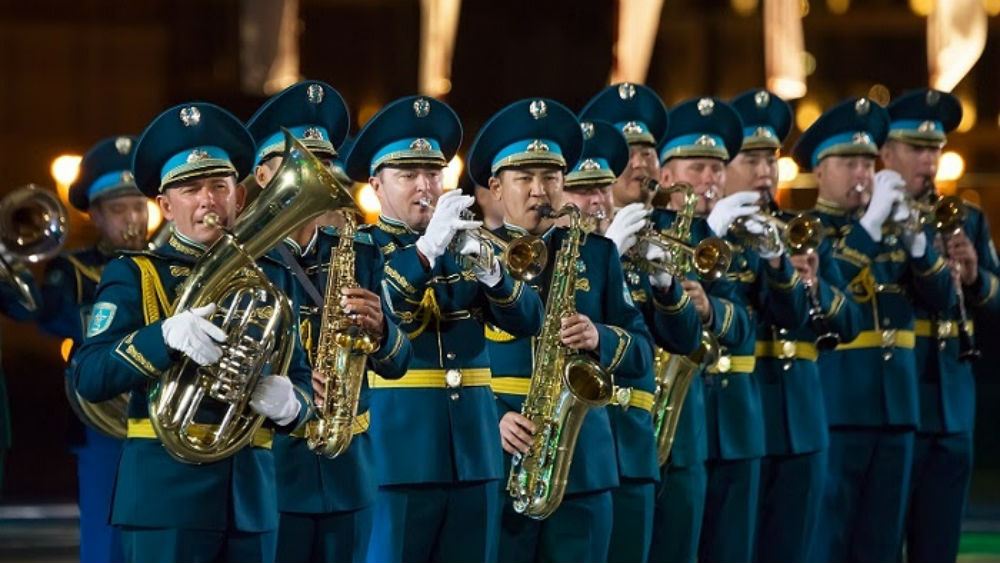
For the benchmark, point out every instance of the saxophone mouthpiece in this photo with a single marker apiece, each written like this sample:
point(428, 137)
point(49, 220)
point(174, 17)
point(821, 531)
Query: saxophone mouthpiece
point(546, 211)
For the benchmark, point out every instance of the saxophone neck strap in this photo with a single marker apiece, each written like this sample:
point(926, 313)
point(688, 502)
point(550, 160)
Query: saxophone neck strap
point(300, 274)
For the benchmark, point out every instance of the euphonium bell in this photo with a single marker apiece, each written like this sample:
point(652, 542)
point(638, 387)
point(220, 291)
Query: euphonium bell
point(32, 229)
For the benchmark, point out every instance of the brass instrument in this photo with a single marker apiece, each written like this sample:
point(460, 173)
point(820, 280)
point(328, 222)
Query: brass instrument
point(674, 374)
point(341, 354)
point(947, 215)
point(525, 256)
point(108, 417)
point(254, 313)
point(32, 229)
point(564, 386)
point(710, 258)
point(161, 235)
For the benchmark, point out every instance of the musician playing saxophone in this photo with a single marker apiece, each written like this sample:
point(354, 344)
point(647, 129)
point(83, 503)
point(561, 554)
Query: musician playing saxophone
point(326, 504)
point(167, 510)
point(106, 191)
point(942, 458)
point(522, 154)
point(795, 433)
point(869, 384)
point(639, 114)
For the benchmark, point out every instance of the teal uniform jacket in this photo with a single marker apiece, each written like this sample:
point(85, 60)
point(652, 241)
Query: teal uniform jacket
point(68, 293)
point(124, 352)
point(947, 387)
point(860, 387)
point(675, 327)
point(423, 431)
point(624, 351)
point(791, 394)
point(311, 483)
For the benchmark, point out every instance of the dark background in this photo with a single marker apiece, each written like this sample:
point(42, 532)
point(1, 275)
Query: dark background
point(72, 73)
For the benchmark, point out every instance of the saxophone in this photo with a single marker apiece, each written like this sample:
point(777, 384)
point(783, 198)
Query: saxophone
point(673, 373)
point(254, 313)
point(564, 386)
point(341, 355)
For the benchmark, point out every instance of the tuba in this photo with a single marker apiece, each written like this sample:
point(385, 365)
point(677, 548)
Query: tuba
point(341, 354)
point(32, 229)
point(254, 313)
point(564, 386)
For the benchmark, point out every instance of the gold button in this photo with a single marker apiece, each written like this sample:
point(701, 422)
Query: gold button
point(725, 382)
point(450, 355)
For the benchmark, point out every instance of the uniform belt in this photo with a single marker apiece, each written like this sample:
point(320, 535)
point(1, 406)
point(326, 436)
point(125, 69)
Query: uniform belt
point(738, 364)
point(510, 385)
point(786, 350)
point(881, 339)
point(626, 397)
point(944, 329)
point(433, 379)
point(142, 428)
point(361, 424)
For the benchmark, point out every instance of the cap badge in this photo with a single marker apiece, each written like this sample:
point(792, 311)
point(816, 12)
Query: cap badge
point(762, 99)
point(123, 145)
point(537, 146)
point(190, 116)
point(420, 145)
point(862, 106)
point(421, 107)
point(706, 106)
point(314, 93)
point(538, 109)
point(626, 91)
point(588, 130)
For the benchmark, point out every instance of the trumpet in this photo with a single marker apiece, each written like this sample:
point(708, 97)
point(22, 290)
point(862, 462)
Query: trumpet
point(525, 256)
point(32, 229)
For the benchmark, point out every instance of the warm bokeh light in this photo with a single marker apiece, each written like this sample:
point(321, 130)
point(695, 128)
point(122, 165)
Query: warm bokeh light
point(992, 7)
point(744, 7)
point(65, 347)
point(968, 114)
point(838, 7)
point(367, 110)
point(922, 8)
point(951, 167)
point(807, 114)
point(452, 174)
point(65, 168)
point(804, 7)
point(971, 196)
point(155, 216)
point(368, 201)
point(809, 63)
point(787, 169)
point(879, 94)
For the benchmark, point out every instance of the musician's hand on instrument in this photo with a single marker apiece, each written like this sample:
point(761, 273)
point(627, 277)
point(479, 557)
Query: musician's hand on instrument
point(961, 251)
point(579, 332)
point(661, 280)
point(887, 194)
point(274, 397)
point(627, 222)
point(191, 333)
point(807, 265)
point(445, 222)
point(516, 432)
point(319, 388)
point(758, 228)
point(727, 209)
point(489, 277)
point(364, 308)
point(916, 244)
point(699, 299)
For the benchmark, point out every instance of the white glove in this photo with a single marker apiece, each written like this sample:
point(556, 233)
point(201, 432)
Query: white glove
point(729, 208)
point(887, 193)
point(274, 398)
point(660, 279)
point(627, 222)
point(755, 227)
point(446, 221)
point(489, 277)
point(191, 333)
point(916, 245)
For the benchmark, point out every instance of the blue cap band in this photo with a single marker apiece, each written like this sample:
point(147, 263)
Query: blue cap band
point(695, 145)
point(413, 149)
point(850, 143)
point(529, 151)
point(315, 135)
point(111, 181)
point(194, 159)
point(917, 126)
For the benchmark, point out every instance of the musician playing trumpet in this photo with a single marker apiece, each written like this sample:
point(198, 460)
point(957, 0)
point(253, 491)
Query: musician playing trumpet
point(167, 507)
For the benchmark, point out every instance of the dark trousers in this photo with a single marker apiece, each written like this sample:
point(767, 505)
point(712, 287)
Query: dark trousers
point(632, 528)
point(678, 512)
point(96, 468)
point(727, 534)
point(868, 479)
point(456, 522)
point(173, 545)
point(791, 490)
point(336, 537)
point(942, 469)
point(579, 531)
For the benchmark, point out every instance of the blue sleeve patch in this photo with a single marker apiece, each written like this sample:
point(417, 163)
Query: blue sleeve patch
point(101, 316)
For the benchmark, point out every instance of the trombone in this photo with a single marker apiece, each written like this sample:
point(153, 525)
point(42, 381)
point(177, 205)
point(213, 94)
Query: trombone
point(32, 229)
point(525, 256)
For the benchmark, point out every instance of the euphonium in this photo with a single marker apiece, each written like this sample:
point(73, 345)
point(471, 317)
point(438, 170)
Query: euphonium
point(32, 229)
point(564, 386)
point(254, 313)
point(341, 354)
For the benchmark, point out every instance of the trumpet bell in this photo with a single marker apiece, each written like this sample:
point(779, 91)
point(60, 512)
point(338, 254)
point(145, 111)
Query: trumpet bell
point(804, 233)
point(711, 258)
point(526, 257)
point(32, 224)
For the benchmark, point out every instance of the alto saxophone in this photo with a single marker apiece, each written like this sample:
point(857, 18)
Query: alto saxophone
point(564, 386)
point(673, 373)
point(341, 355)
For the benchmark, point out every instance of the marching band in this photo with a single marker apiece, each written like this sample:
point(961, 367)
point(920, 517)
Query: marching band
point(630, 354)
